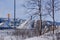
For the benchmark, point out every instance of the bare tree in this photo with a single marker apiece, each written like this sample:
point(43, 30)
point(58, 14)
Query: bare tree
point(51, 7)
point(35, 6)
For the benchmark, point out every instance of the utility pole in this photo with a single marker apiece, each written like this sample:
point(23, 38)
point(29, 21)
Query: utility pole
point(53, 14)
point(40, 14)
point(14, 13)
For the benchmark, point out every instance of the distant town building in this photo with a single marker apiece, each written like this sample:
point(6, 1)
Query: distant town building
point(10, 22)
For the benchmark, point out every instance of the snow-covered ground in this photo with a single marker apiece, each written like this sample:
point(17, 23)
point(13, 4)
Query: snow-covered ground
point(6, 35)
point(47, 36)
point(40, 38)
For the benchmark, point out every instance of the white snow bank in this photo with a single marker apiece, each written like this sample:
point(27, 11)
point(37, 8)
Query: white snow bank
point(22, 26)
point(1, 24)
point(40, 38)
point(26, 24)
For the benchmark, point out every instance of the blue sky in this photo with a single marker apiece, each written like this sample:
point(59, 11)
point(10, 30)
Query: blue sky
point(7, 6)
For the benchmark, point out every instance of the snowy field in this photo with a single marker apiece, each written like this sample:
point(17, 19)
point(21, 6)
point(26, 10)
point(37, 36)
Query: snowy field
point(7, 35)
point(3, 37)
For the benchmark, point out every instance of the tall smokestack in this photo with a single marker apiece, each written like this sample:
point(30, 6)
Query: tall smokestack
point(8, 17)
